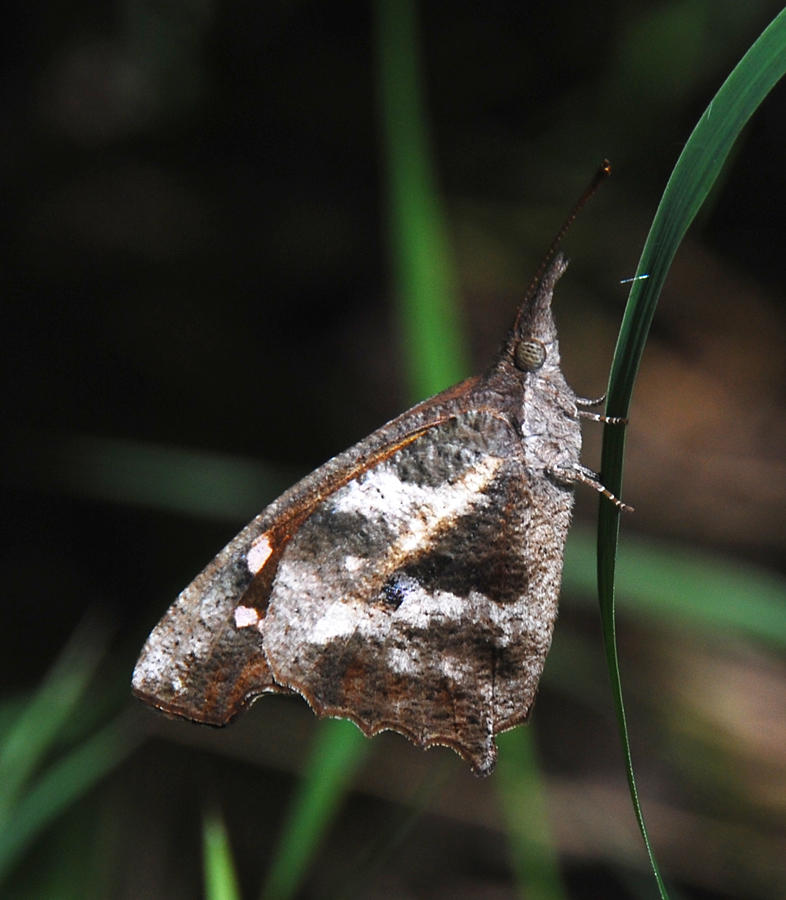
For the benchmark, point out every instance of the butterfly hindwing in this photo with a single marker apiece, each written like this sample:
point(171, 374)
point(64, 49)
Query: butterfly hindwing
point(401, 602)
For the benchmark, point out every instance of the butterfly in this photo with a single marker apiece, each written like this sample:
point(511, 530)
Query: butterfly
point(410, 583)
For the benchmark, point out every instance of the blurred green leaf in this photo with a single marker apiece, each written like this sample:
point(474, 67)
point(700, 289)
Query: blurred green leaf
point(694, 175)
point(220, 877)
point(337, 751)
point(31, 735)
point(523, 801)
point(64, 782)
point(34, 792)
point(173, 479)
point(423, 269)
point(684, 588)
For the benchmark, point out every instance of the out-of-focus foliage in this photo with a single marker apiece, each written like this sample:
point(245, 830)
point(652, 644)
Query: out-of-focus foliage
point(198, 274)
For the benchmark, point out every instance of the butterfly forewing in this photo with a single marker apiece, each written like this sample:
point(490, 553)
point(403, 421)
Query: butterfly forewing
point(197, 663)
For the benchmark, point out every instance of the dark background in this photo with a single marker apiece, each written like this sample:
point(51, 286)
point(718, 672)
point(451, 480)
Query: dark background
point(196, 262)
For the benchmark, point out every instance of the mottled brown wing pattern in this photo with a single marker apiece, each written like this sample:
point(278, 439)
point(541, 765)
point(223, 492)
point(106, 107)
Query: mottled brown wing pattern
point(402, 602)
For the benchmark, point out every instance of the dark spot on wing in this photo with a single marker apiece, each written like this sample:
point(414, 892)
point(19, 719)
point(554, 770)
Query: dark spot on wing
point(397, 588)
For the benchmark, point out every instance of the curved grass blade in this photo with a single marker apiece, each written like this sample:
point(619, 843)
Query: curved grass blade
point(32, 734)
point(422, 263)
point(694, 174)
point(338, 750)
point(219, 867)
point(524, 806)
point(61, 785)
point(33, 790)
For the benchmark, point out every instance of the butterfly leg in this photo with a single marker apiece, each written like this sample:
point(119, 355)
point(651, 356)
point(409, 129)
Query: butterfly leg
point(597, 417)
point(585, 401)
point(582, 475)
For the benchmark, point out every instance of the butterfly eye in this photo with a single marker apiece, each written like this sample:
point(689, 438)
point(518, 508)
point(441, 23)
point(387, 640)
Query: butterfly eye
point(530, 354)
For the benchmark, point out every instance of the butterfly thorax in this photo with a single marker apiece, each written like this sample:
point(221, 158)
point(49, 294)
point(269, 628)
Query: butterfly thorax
point(528, 374)
point(542, 409)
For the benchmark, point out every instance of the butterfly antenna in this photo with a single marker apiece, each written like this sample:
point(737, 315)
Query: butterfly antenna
point(604, 170)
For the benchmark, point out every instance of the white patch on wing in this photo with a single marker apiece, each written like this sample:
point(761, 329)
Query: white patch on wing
point(245, 616)
point(259, 554)
point(451, 668)
point(382, 492)
point(420, 608)
point(400, 661)
point(339, 620)
point(426, 509)
point(322, 605)
point(183, 638)
point(155, 667)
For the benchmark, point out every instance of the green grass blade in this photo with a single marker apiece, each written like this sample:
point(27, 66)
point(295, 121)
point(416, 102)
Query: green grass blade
point(29, 802)
point(523, 802)
point(691, 180)
point(694, 175)
point(337, 752)
point(219, 868)
point(686, 589)
point(422, 262)
point(30, 736)
point(60, 786)
point(434, 357)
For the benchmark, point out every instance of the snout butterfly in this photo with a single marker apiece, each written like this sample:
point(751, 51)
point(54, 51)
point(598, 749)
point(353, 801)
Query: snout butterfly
point(411, 582)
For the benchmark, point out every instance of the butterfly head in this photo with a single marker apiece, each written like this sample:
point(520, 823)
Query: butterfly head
point(532, 345)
